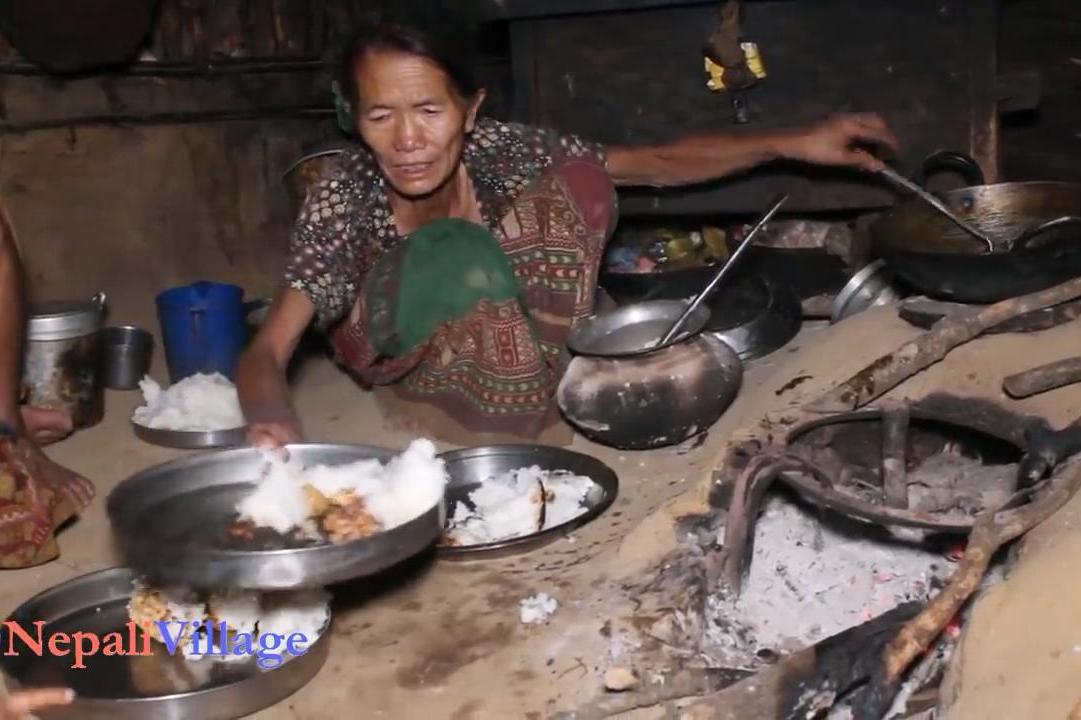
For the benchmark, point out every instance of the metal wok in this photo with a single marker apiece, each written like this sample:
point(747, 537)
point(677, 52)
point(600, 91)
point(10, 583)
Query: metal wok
point(929, 253)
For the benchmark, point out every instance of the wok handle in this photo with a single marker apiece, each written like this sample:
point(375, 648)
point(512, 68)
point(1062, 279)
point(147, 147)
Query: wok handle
point(1043, 232)
point(953, 160)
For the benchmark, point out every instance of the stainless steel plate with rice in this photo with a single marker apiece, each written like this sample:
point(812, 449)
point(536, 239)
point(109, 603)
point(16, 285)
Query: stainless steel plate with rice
point(136, 687)
point(469, 469)
point(172, 523)
point(190, 439)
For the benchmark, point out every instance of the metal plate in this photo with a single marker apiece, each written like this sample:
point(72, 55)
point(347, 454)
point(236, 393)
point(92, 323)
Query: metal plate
point(167, 521)
point(468, 469)
point(632, 330)
point(776, 320)
point(158, 686)
point(869, 287)
point(188, 440)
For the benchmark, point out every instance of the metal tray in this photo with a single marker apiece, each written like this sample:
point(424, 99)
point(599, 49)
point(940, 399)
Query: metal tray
point(166, 519)
point(190, 440)
point(158, 686)
point(469, 468)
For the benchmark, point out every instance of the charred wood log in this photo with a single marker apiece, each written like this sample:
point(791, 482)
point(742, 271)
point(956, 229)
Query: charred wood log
point(889, 371)
point(810, 681)
point(991, 531)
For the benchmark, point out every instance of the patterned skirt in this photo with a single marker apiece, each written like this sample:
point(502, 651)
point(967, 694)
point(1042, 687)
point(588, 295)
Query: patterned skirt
point(491, 375)
point(34, 502)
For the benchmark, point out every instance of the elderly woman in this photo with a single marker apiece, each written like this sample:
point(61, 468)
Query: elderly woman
point(449, 257)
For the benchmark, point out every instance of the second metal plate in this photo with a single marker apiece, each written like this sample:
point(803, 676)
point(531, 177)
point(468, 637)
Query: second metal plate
point(468, 469)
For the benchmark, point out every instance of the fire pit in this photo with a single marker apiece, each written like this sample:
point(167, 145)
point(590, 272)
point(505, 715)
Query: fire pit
point(811, 576)
point(846, 605)
point(935, 464)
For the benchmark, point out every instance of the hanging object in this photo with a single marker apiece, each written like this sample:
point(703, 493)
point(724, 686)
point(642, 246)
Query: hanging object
point(753, 59)
point(732, 64)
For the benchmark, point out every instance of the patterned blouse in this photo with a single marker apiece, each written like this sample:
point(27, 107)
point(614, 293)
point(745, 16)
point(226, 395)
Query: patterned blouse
point(346, 220)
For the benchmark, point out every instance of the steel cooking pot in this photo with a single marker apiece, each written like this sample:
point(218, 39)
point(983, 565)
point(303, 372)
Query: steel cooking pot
point(61, 363)
point(932, 255)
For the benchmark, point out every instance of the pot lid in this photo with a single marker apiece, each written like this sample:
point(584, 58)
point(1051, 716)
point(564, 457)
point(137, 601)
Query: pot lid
point(61, 319)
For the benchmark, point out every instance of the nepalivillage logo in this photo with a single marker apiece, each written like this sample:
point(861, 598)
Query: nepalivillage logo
point(207, 640)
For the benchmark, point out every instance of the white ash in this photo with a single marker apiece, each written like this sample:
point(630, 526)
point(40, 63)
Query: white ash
point(956, 485)
point(808, 581)
point(537, 609)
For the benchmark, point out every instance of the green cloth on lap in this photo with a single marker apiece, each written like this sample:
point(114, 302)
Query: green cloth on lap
point(438, 274)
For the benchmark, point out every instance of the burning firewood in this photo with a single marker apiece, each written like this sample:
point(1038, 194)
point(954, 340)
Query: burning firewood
point(991, 531)
point(798, 686)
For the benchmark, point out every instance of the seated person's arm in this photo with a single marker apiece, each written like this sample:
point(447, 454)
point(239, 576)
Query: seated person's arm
point(261, 381)
point(844, 140)
point(11, 325)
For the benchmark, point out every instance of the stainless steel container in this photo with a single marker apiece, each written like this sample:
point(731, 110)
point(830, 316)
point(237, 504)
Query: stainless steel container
point(126, 357)
point(61, 365)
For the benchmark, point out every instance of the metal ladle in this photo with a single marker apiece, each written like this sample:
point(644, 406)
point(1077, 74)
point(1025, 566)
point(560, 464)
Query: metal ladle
point(722, 272)
point(901, 181)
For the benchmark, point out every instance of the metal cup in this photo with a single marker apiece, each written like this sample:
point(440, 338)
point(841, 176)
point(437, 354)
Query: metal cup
point(126, 359)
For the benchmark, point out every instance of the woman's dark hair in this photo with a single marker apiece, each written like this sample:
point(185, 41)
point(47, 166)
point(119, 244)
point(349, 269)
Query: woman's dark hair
point(443, 39)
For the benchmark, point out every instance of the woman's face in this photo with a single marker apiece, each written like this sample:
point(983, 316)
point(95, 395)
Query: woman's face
point(413, 119)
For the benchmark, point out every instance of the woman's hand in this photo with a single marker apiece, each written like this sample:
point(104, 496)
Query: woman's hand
point(844, 140)
point(273, 434)
point(20, 704)
point(260, 378)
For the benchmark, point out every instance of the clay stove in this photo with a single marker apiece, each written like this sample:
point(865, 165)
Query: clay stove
point(882, 498)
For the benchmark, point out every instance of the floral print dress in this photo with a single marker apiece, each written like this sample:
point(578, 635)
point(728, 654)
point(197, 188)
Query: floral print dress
point(547, 199)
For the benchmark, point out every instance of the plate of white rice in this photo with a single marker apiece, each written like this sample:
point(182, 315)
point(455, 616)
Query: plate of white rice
point(200, 411)
point(507, 499)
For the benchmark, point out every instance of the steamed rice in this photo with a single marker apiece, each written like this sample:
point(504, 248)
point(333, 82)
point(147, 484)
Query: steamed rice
point(278, 501)
point(303, 611)
point(517, 503)
point(537, 608)
point(198, 403)
point(282, 613)
point(409, 485)
point(238, 609)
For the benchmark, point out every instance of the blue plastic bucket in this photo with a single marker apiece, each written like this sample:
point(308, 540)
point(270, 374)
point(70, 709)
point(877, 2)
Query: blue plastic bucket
point(202, 328)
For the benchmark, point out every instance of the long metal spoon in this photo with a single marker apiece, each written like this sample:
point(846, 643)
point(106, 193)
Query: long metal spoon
point(901, 181)
point(722, 272)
